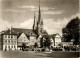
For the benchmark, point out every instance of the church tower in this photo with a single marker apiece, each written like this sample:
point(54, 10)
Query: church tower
point(35, 23)
point(39, 22)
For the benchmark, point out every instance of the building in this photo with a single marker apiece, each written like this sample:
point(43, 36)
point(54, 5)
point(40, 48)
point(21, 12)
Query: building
point(9, 41)
point(55, 39)
point(14, 38)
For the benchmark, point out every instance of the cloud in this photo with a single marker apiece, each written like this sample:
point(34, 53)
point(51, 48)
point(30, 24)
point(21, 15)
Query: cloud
point(13, 10)
point(53, 26)
point(31, 8)
point(26, 7)
point(43, 8)
point(52, 12)
point(34, 8)
point(4, 24)
point(26, 24)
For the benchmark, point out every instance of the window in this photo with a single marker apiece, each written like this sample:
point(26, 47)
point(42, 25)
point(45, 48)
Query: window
point(12, 46)
point(9, 47)
point(5, 41)
point(8, 41)
point(5, 36)
point(11, 41)
point(14, 36)
point(8, 36)
point(11, 36)
point(14, 41)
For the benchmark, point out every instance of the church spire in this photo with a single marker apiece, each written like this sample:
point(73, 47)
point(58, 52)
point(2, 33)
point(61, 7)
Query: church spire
point(34, 24)
point(39, 14)
point(39, 22)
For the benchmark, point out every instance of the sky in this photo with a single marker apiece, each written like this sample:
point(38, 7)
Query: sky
point(55, 13)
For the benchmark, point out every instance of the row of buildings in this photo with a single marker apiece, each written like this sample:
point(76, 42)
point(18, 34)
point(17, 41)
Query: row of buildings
point(13, 38)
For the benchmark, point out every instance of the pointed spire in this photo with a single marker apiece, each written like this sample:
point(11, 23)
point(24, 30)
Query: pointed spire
point(39, 15)
point(34, 24)
point(40, 20)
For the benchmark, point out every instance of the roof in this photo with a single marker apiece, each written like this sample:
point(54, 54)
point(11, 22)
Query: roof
point(26, 31)
point(18, 31)
point(9, 32)
point(54, 35)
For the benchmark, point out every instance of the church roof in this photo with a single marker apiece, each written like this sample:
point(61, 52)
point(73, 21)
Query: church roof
point(26, 31)
point(18, 31)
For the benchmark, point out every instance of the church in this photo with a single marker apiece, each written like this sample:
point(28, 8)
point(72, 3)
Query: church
point(14, 38)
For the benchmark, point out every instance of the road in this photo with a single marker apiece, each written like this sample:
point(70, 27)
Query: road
point(32, 54)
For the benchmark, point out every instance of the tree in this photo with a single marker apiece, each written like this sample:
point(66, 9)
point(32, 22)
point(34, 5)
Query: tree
point(23, 46)
point(47, 41)
point(71, 31)
point(36, 45)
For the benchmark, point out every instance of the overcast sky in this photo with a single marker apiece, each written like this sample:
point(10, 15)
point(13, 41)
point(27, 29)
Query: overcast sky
point(55, 13)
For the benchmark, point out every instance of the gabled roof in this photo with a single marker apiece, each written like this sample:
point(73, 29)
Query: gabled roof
point(25, 34)
point(54, 35)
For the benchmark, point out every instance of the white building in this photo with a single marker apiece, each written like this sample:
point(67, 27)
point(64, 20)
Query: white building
point(9, 40)
point(55, 39)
